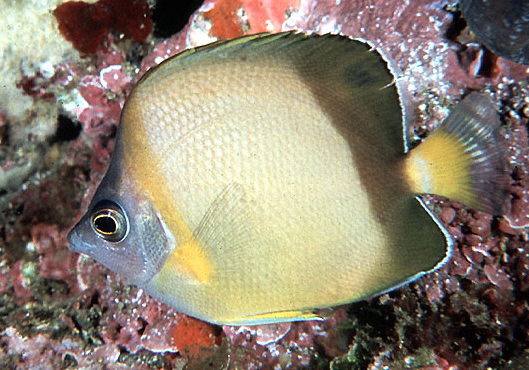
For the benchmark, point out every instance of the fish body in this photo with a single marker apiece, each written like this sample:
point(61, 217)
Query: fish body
point(258, 179)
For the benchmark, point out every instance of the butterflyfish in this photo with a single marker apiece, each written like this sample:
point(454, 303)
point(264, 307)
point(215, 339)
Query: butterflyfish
point(259, 179)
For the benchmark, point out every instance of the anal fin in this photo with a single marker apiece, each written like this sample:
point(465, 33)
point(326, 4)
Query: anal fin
point(419, 244)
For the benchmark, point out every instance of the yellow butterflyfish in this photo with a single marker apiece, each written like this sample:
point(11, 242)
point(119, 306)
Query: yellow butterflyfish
point(258, 179)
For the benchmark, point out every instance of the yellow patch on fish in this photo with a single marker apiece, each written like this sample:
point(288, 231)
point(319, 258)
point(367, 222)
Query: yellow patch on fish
point(258, 179)
point(191, 257)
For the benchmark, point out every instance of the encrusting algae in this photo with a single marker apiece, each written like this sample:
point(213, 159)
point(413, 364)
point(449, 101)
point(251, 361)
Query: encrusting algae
point(273, 170)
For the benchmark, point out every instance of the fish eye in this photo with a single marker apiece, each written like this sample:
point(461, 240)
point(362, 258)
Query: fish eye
point(109, 222)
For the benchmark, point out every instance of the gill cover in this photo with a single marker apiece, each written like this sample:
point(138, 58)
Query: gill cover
point(133, 247)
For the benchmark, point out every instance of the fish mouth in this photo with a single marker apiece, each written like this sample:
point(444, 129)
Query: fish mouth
point(75, 244)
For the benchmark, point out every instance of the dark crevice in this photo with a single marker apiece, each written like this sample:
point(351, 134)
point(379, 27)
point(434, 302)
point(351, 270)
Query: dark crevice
point(171, 16)
point(67, 130)
point(144, 325)
point(4, 134)
point(94, 300)
point(456, 27)
point(488, 63)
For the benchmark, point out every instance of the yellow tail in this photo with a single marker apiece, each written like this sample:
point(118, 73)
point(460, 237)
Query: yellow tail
point(464, 159)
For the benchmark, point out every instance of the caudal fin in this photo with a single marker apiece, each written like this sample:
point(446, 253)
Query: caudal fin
point(464, 159)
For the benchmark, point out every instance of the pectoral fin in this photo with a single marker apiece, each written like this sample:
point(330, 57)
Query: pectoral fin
point(219, 241)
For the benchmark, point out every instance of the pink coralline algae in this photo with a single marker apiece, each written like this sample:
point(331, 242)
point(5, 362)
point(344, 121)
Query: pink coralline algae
point(60, 309)
point(230, 19)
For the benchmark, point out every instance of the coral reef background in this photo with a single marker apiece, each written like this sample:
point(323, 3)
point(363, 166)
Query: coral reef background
point(60, 103)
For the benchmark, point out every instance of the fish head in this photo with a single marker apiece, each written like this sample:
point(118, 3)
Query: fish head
point(121, 228)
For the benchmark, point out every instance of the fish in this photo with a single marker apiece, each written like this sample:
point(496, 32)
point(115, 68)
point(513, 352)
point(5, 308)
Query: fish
point(501, 25)
point(261, 179)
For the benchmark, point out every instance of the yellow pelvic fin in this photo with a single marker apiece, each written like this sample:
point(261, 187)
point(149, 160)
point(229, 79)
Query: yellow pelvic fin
point(281, 316)
point(191, 257)
point(464, 158)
